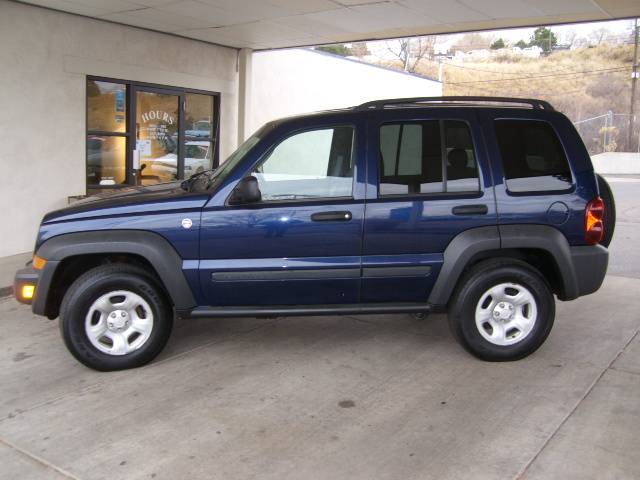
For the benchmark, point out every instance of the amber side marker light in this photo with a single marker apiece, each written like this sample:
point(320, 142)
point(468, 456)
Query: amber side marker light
point(38, 262)
point(593, 225)
point(27, 291)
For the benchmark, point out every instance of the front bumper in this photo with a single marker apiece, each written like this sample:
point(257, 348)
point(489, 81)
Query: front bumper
point(24, 278)
point(41, 280)
point(590, 267)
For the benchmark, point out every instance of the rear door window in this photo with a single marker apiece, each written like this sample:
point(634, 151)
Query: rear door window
point(432, 156)
point(533, 159)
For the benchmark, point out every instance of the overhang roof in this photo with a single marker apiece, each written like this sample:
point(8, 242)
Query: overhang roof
point(269, 24)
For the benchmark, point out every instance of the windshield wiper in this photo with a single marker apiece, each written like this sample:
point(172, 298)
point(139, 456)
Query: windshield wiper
point(188, 183)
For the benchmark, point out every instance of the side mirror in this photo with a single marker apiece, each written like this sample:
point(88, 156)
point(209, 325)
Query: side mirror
point(247, 191)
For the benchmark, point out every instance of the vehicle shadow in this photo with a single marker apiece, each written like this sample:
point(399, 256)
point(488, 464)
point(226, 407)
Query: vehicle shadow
point(303, 332)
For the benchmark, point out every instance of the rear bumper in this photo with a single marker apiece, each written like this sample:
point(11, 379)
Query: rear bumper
point(590, 267)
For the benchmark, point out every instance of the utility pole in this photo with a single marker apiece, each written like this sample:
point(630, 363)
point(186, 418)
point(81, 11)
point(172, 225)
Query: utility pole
point(634, 80)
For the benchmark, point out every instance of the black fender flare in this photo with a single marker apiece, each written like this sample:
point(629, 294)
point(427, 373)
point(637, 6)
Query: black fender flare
point(470, 243)
point(149, 245)
point(551, 240)
point(457, 256)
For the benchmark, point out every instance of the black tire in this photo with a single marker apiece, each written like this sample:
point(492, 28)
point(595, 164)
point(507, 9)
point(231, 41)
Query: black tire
point(478, 280)
point(92, 285)
point(609, 220)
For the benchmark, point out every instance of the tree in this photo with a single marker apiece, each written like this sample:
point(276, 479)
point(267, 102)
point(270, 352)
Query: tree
point(359, 49)
point(570, 37)
point(336, 49)
point(544, 38)
point(499, 43)
point(471, 41)
point(521, 44)
point(597, 36)
point(411, 50)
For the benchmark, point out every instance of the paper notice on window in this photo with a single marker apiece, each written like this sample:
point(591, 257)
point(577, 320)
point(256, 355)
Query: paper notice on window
point(144, 147)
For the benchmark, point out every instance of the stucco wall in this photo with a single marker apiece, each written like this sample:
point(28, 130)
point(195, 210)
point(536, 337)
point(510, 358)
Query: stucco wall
point(621, 163)
point(288, 82)
point(44, 59)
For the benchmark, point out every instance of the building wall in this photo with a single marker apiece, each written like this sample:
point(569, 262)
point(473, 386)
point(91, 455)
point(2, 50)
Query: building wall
point(45, 57)
point(617, 163)
point(288, 82)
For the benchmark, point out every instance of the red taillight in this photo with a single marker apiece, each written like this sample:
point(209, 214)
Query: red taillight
point(593, 226)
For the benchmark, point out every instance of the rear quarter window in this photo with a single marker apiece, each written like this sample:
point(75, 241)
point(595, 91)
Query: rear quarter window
point(533, 159)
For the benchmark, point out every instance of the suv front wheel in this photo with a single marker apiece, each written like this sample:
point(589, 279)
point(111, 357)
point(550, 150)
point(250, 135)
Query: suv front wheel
point(502, 310)
point(115, 317)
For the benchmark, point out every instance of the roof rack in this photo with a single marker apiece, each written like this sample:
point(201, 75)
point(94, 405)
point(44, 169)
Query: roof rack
point(379, 104)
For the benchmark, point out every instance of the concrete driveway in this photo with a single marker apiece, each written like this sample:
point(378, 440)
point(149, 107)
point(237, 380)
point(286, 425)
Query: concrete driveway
point(372, 397)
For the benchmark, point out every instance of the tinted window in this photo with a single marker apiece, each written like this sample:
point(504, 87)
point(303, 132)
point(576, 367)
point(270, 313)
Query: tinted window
point(312, 164)
point(106, 106)
point(413, 155)
point(532, 156)
point(462, 170)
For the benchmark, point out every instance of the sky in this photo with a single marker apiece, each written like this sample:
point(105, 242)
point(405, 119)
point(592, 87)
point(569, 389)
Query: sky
point(618, 28)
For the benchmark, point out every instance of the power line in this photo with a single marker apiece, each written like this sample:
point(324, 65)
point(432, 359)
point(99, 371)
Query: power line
point(585, 72)
point(561, 71)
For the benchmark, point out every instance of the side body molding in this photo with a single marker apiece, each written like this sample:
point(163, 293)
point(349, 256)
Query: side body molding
point(151, 246)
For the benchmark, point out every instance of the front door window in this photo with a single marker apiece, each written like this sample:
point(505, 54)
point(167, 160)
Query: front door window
point(307, 165)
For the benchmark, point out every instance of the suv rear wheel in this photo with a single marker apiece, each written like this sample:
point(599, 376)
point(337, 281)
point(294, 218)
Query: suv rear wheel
point(502, 310)
point(115, 317)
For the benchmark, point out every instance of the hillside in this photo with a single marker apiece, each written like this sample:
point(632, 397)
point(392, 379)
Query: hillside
point(582, 83)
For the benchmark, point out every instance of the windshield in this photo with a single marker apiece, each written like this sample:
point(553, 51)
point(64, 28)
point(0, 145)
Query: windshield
point(236, 157)
point(209, 178)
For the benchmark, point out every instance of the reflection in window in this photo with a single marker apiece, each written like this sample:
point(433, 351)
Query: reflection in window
point(142, 135)
point(199, 133)
point(157, 136)
point(313, 164)
point(532, 156)
point(197, 157)
point(198, 115)
point(106, 159)
point(106, 106)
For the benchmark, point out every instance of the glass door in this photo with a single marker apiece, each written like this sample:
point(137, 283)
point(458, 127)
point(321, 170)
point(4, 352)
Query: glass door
point(157, 157)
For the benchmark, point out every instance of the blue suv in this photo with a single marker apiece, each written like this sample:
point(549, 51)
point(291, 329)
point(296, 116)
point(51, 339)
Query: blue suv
point(485, 208)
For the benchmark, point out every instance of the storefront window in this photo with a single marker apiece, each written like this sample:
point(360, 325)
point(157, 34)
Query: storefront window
point(106, 106)
point(107, 133)
point(139, 134)
point(106, 160)
point(199, 133)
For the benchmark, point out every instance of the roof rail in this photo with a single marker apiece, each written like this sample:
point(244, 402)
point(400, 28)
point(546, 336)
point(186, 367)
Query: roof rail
point(379, 104)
